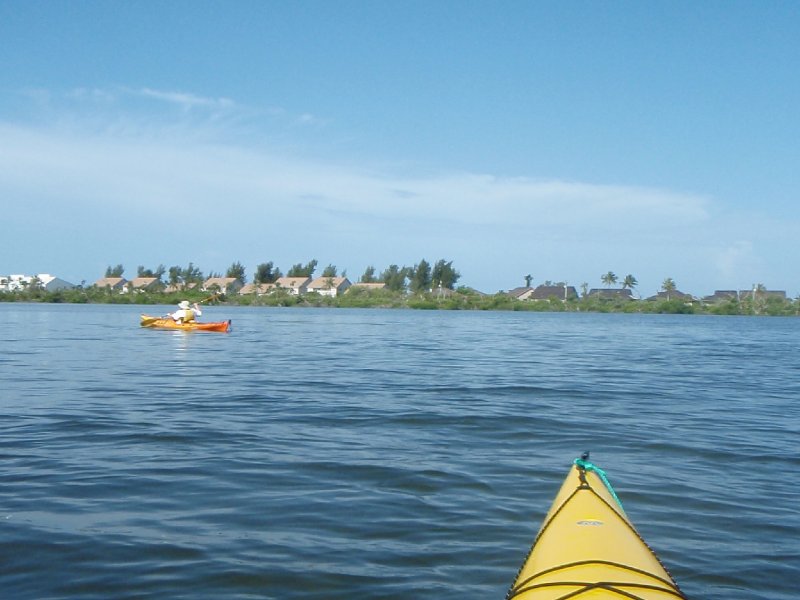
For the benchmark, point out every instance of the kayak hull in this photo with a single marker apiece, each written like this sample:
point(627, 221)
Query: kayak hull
point(587, 548)
point(168, 323)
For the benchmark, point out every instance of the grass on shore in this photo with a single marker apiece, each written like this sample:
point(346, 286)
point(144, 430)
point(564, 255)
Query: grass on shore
point(460, 299)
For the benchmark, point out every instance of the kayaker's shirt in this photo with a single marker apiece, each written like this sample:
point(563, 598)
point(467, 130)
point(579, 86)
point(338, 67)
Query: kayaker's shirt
point(185, 315)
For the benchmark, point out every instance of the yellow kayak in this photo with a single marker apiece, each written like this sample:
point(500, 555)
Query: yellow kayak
point(587, 548)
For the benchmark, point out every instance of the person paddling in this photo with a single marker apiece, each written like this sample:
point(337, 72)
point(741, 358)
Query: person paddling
point(185, 313)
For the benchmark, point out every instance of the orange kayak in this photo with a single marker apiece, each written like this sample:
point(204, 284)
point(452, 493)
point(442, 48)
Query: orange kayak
point(168, 323)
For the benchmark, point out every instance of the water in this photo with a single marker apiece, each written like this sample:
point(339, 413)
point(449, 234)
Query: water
point(317, 453)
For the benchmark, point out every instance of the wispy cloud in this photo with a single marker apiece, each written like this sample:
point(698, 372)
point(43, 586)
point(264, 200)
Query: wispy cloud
point(353, 212)
point(118, 96)
point(737, 260)
point(149, 108)
point(186, 101)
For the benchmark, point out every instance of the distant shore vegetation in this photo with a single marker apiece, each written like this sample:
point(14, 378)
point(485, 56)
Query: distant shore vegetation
point(424, 286)
point(458, 299)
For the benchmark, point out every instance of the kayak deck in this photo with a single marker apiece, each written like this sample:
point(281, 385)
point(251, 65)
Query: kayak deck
point(587, 548)
point(169, 323)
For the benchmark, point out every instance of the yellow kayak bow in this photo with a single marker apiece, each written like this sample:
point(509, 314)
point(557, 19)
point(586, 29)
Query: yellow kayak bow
point(587, 548)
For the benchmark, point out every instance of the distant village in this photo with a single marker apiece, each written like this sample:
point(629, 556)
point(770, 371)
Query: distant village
point(325, 286)
point(336, 286)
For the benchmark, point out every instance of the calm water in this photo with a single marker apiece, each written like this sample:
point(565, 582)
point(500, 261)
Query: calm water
point(317, 453)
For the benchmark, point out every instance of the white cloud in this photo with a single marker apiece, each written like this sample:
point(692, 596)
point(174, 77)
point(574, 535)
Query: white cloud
point(270, 203)
point(186, 101)
point(117, 96)
point(736, 261)
point(308, 119)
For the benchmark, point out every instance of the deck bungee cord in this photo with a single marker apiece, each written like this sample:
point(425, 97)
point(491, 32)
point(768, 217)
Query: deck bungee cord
point(585, 465)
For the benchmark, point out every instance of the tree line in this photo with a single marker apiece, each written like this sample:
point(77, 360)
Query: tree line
point(420, 277)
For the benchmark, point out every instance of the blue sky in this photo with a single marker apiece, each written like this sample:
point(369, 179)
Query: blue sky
point(557, 139)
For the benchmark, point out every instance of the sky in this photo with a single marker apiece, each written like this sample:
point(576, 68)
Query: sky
point(561, 140)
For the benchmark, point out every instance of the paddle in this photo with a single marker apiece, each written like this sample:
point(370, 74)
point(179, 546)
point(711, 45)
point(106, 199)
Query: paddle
point(213, 296)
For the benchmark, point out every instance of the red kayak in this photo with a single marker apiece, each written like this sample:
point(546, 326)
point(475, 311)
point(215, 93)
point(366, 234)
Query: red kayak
point(169, 323)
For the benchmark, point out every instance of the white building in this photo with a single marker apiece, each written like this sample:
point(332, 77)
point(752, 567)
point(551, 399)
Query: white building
point(329, 286)
point(47, 282)
point(296, 286)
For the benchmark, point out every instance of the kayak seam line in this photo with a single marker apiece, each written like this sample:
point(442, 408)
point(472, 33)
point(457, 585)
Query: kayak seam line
point(622, 566)
point(512, 592)
point(611, 586)
point(630, 525)
point(584, 485)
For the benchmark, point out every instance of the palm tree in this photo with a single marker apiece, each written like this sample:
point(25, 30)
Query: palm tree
point(629, 282)
point(174, 276)
point(528, 280)
point(609, 279)
point(668, 286)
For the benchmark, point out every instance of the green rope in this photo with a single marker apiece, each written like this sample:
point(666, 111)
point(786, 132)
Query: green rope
point(586, 465)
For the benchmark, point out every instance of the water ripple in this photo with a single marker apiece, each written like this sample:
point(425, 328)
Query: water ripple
point(384, 454)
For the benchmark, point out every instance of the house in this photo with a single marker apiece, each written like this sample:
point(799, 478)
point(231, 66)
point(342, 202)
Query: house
point(329, 286)
point(222, 285)
point(257, 288)
point(611, 293)
point(443, 292)
point(44, 281)
point(765, 294)
point(560, 292)
point(673, 295)
point(721, 296)
point(296, 286)
point(111, 283)
point(472, 291)
point(174, 288)
point(144, 284)
point(51, 283)
point(521, 293)
point(14, 283)
point(378, 285)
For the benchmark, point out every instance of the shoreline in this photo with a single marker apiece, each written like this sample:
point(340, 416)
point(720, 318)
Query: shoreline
point(462, 299)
